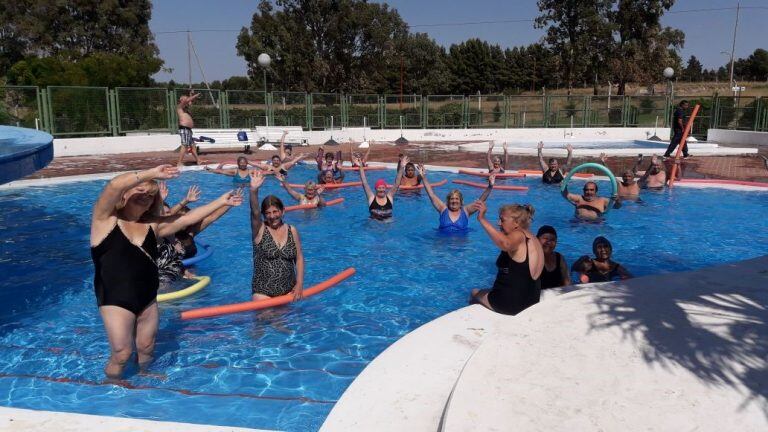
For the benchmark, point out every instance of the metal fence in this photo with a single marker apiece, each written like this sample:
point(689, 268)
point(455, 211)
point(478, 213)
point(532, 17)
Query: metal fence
point(93, 111)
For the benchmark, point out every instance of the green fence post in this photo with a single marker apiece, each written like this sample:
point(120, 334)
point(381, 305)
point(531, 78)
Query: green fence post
point(115, 120)
point(757, 114)
point(223, 110)
point(506, 112)
point(546, 111)
point(587, 110)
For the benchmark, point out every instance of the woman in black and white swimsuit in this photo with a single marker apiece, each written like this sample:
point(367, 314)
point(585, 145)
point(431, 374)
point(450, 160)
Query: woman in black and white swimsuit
point(278, 261)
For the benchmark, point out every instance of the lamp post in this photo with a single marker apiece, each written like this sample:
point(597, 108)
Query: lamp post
point(264, 61)
point(668, 74)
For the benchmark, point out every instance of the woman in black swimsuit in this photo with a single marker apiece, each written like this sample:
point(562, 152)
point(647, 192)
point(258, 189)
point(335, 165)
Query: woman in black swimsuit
point(380, 202)
point(552, 173)
point(555, 272)
point(520, 262)
point(278, 260)
point(604, 269)
point(125, 226)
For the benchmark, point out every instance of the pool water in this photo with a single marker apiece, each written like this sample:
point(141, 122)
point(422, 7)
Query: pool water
point(285, 368)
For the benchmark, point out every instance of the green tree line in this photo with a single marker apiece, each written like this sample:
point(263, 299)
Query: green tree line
point(356, 46)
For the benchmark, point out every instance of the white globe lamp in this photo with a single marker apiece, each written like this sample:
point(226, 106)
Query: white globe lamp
point(264, 60)
point(668, 72)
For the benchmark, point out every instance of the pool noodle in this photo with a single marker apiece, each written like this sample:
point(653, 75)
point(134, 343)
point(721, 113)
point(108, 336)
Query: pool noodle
point(312, 206)
point(329, 185)
point(202, 282)
point(485, 185)
point(498, 175)
point(267, 303)
point(208, 251)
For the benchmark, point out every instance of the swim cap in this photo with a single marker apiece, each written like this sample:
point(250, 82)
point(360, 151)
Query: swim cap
point(600, 240)
point(546, 229)
point(380, 182)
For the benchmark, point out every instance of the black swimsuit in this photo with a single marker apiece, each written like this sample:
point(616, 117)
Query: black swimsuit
point(514, 289)
point(550, 178)
point(126, 275)
point(554, 278)
point(380, 212)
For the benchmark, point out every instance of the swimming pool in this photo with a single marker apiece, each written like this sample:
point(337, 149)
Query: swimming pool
point(284, 369)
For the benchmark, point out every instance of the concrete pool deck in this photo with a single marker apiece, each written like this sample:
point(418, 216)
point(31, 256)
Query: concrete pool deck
point(677, 351)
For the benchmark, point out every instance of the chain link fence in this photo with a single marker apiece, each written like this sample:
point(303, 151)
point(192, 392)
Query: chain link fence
point(20, 106)
point(247, 109)
point(79, 111)
point(143, 110)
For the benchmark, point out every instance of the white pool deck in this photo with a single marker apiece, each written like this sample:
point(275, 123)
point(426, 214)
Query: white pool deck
point(677, 351)
point(672, 352)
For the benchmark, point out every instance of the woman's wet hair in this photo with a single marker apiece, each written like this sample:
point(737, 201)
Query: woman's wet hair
point(452, 193)
point(410, 165)
point(271, 201)
point(546, 229)
point(521, 213)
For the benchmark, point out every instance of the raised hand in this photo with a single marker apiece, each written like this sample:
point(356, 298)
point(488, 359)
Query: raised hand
point(257, 178)
point(404, 160)
point(165, 172)
point(421, 170)
point(163, 190)
point(320, 189)
point(481, 209)
point(603, 157)
point(504, 146)
point(639, 158)
point(569, 147)
point(490, 145)
point(232, 198)
point(541, 145)
point(193, 194)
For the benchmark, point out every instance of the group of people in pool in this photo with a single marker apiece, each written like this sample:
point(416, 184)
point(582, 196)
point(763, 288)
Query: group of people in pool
point(130, 217)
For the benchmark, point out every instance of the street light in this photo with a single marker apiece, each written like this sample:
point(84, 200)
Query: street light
point(668, 74)
point(264, 61)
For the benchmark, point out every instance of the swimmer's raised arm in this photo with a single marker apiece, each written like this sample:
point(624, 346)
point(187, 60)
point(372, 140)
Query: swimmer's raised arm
point(506, 156)
point(569, 159)
point(282, 145)
point(543, 164)
point(572, 198)
point(366, 188)
point(291, 162)
point(213, 217)
point(403, 162)
point(367, 153)
point(437, 203)
point(281, 178)
point(113, 192)
point(169, 225)
point(470, 209)
point(489, 157)
point(502, 241)
point(193, 194)
point(319, 158)
point(253, 191)
point(218, 170)
point(637, 163)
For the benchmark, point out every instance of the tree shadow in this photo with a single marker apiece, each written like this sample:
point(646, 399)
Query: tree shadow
point(712, 322)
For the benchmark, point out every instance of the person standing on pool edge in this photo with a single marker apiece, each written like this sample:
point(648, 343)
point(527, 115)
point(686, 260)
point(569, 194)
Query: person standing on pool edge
point(520, 263)
point(126, 223)
point(678, 125)
point(278, 260)
point(381, 202)
point(185, 127)
point(552, 173)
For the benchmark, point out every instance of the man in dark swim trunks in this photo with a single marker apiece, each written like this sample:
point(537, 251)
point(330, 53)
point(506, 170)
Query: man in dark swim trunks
point(588, 205)
point(678, 124)
point(185, 127)
point(552, 173)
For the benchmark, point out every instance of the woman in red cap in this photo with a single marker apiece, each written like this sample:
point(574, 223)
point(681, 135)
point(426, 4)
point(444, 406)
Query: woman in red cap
point(380, 201)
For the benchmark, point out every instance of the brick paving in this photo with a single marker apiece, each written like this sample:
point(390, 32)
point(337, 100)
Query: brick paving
point(749, 168)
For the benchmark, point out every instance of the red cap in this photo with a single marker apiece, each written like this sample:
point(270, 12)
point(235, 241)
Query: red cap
point(380, 182)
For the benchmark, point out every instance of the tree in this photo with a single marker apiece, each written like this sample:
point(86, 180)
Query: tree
point(757, 65)
point(323, 45)
point(83, 30)
point(476, 65)
point(643, 48)
point(693, 71)
point(98, 69)
point(425, 68)
point(578, 32)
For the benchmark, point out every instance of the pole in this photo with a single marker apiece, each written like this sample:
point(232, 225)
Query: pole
point(683, 142)
point(401, 83)
point(189, 58)
point(733, 47)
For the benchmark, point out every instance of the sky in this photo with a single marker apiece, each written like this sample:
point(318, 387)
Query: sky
point(707, 33)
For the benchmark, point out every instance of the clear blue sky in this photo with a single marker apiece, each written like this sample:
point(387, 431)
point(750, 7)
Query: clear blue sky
point(707, 33)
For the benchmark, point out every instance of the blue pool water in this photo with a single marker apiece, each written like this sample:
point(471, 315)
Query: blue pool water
point(284, 369)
